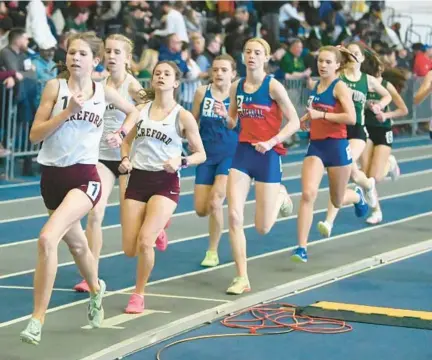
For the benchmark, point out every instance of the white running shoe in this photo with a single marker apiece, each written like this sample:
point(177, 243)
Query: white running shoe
point(287, 205)
point(32, 333)
point(375, 218)
point(370, 194)
point(325, 228)
point(95, 310)
point(394, 171)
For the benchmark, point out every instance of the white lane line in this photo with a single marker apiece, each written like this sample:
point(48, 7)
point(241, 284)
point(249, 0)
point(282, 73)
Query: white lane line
point(198, 272)
point(12, 287)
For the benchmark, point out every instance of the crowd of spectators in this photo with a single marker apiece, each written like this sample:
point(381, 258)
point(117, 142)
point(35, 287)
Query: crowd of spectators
point(33, 37)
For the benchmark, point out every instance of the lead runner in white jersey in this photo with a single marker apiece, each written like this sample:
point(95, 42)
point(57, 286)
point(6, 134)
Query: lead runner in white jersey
point(69, 121)
point(118, 54)
point(154, 187)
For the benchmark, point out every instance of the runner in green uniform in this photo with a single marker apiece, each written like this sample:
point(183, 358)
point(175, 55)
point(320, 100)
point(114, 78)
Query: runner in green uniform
point(376, 159)
point(360, 84)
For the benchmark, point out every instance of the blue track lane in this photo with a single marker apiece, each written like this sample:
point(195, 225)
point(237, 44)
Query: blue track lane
point(29, 229)
point(404, 285)
point(34, 190)
point(119, 271)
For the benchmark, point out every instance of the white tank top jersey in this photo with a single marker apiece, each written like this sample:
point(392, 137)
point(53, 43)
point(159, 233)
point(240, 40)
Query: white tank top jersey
point(77, 140)
point(156, 141)
point(113, 120)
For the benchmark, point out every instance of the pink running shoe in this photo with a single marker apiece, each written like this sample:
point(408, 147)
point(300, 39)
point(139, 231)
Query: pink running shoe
point(82, 287)
point(162, 241)
point(135, 304)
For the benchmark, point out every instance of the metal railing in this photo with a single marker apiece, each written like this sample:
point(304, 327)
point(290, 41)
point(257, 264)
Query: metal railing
point(14, 134)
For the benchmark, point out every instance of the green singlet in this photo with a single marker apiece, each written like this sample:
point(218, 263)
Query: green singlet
point(370, 117)
point(360, 90)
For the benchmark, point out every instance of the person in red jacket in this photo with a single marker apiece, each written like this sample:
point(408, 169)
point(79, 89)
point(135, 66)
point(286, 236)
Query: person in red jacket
point(423, 61)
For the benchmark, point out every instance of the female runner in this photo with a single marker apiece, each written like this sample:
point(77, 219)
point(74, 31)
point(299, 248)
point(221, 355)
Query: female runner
point(69, 121)
point(220, 144)
point(330, 110)
point(376, 160)
point(153, 188)
point(259, 101)
point(360, 83)
point(118, 54)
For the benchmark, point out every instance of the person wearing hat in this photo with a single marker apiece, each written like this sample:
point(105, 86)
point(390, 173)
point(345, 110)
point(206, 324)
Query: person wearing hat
point(45, 67)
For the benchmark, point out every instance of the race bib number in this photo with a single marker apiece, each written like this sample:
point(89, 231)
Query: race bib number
point(389, 137)
point(27, 65)
point(348, 152)
point(93, 189)
point(208, 107)
point(240, 99)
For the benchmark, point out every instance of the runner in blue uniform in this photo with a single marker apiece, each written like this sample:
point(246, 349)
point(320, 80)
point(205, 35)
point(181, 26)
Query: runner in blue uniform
point(220, 145)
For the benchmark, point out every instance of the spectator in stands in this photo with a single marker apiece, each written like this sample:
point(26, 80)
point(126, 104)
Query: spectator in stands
point(16, 10)
point(403, 60)
point(347, 34)
point(60, 52)
point(172, 51)
point(15, 57)
point(322, 33)
point(292, 63)
point(237, 32)
point(77, 20)
point(268, 11)
point(108, 17)
point(58, 18)
point(396, 27)
point(144, 69)
point(290, 20)
point(137, 26)
point(174, 21)
point(311, 59)
point(198, 45)
point(5, 25)
point(388, 57)
point(422, 61)
point(205, 60)
point(189, 87)
point(268, 36)
point(193, 21)
point(45, 68)
point(37, 27)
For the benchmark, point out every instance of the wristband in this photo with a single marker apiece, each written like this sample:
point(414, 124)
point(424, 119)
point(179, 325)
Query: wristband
point(121, 132)
point(184, 163)
point(124, 157)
